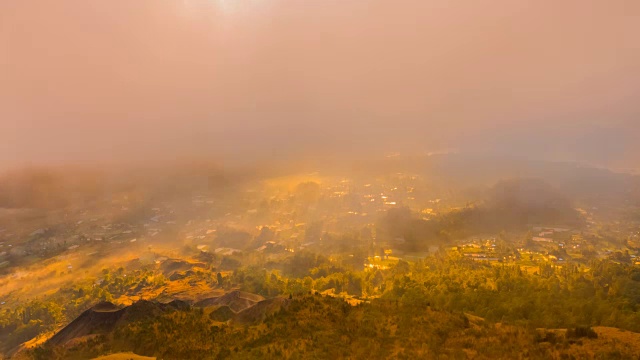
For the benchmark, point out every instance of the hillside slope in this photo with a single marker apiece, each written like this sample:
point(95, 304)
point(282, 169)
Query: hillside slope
point(310, 326)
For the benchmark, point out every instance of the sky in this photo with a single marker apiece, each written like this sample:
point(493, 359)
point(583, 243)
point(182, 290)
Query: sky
point(252, 80)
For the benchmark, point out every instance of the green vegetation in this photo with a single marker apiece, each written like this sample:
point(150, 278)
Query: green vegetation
point(314, 326)
point(578, 297)
point(306, 268)
point(32, 318)
point(605, 293)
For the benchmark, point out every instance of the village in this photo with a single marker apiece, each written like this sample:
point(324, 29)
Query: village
point(280, 218)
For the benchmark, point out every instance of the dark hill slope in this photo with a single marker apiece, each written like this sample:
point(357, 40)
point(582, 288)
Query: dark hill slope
point(235, 300)
point(101, 318)
point(310, 326)
point(105, 316)
point(261, 310)
point(174, 266)
point(222, 313)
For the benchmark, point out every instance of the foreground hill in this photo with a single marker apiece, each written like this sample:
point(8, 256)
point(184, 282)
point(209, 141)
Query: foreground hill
point(105, 317)
point(261, 310)
point(236, 300)
point(124, 356)
point(314, 326)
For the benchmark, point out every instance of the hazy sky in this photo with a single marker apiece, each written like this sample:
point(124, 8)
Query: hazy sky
point(130, 79)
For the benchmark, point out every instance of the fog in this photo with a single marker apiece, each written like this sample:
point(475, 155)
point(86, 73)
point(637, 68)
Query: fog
point(264, 80)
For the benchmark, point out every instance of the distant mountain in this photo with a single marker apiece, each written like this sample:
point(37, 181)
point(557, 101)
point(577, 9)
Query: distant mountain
point(513, 204)
point(461, 171)
point(518, 202)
